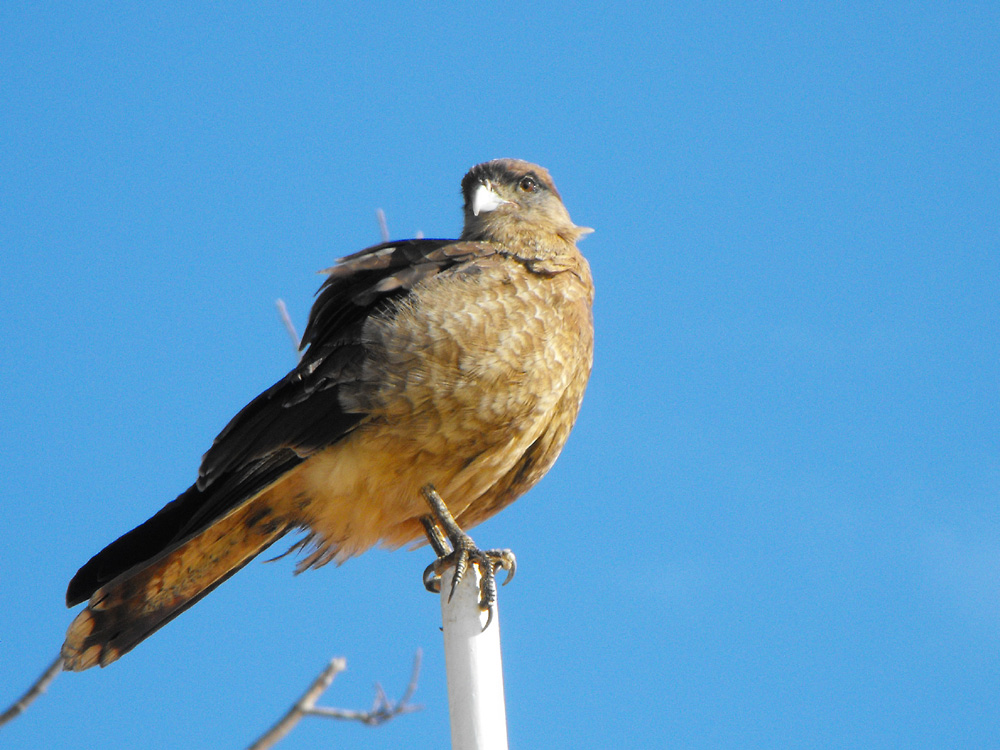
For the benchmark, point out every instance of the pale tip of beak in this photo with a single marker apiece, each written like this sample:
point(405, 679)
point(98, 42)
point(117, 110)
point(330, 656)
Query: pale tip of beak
point(484, 199)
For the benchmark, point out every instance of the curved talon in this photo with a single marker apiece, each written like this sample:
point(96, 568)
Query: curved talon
point(432, 578)
point(461, 560)
point(503, 558)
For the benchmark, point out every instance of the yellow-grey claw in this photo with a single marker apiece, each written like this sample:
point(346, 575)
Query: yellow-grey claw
point(441, 529)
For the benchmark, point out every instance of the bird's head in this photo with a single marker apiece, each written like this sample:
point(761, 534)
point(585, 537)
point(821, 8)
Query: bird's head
point(514, 202)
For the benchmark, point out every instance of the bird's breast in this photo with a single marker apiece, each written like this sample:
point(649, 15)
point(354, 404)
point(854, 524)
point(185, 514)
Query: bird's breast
point(478, 353)
point(471, 383)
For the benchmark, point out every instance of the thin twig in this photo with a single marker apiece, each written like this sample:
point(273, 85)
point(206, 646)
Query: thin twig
point(383, 225)
point(289, 325)
point(40, 686)
point(287, 722)
point(382, 709)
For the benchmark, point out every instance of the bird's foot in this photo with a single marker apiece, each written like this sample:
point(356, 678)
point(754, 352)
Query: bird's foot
point(441, 529)
point(489, 562)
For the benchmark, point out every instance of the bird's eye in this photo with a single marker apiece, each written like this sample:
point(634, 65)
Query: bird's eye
point(528, 184)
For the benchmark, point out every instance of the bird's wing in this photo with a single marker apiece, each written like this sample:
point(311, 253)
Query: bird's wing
point(298, 416)
point(302, 412)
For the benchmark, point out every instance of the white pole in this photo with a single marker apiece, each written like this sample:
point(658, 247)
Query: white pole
point(475, 672)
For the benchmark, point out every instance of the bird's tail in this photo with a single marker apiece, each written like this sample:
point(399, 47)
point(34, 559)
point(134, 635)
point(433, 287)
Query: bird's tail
point(138, 602)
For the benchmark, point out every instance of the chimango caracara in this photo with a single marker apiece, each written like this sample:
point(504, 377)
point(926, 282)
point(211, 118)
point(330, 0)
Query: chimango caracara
point(440, 375)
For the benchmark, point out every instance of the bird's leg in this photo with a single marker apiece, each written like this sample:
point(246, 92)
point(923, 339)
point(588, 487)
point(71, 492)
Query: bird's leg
point(437, 539)
point(440, 527)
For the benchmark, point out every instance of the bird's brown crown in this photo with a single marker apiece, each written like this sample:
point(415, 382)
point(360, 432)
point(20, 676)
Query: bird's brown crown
point(524, 207)
point(507, 172)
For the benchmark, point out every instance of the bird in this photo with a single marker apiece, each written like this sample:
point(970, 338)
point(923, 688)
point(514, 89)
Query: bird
point(438, 382)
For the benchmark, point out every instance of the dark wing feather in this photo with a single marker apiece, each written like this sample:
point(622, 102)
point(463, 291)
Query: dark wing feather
point(303, 411)
point(175, 523)
point(298, 416)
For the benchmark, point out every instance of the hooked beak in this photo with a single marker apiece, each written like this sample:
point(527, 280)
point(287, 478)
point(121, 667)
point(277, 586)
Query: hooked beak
point(485, 199)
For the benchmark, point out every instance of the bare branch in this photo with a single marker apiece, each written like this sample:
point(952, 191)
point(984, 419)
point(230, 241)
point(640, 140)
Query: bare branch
point(287, 722)
point(383, 225)
point(40, 686)
point(382, 709)
point(289, 325)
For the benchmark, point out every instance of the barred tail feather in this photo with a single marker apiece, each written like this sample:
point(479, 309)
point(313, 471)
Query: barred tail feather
point(128, 609)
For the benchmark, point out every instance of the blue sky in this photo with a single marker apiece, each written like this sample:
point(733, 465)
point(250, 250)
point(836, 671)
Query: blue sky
point(776, 522)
